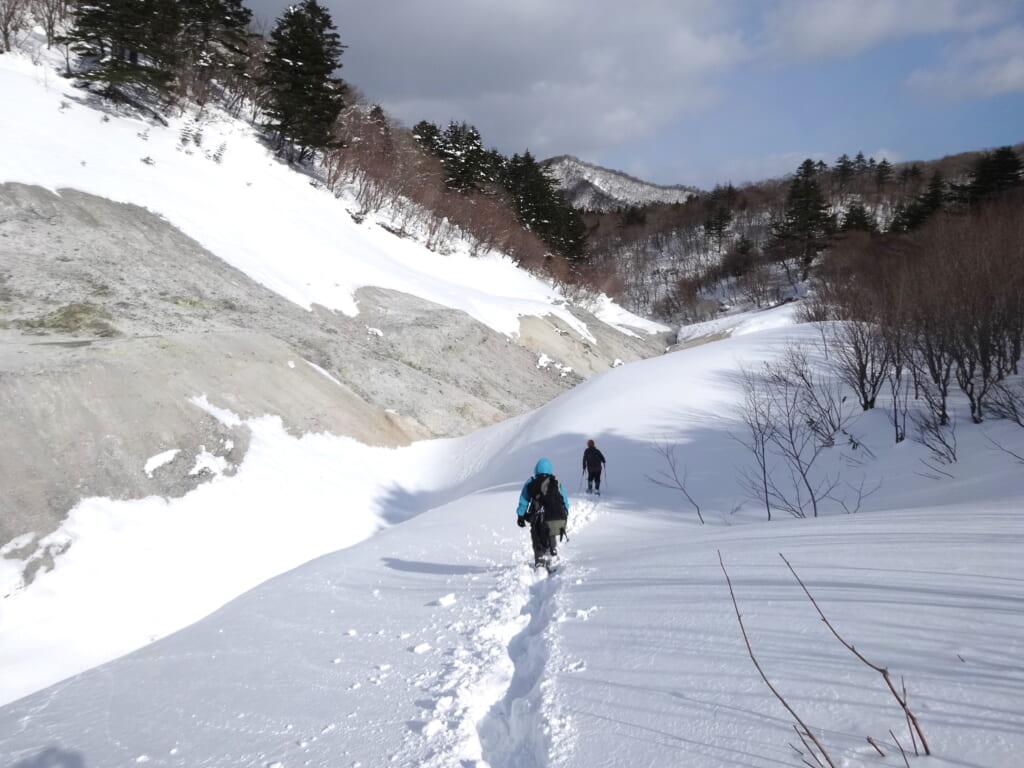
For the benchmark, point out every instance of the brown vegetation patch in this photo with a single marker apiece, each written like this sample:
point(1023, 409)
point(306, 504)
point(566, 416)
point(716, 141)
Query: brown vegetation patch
point(80, 317)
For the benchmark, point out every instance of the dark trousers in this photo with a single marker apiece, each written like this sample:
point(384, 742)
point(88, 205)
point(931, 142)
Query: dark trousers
point(594, 478)
point(544, 535)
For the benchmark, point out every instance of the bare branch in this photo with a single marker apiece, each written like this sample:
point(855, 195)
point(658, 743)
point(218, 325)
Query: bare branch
point(999, 446)
point(902, 752)
point(671, 478)
point(861, 494)
point(810, 751)
point(901, 700)
point(753, 658)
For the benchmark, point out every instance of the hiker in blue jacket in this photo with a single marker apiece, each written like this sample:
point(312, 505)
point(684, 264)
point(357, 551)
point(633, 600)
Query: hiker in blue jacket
point(544, 505)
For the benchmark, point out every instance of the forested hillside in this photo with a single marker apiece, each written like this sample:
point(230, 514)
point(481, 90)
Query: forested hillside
point(761, 243)
point(678, 261)
point(155, 57)
point(590, 187)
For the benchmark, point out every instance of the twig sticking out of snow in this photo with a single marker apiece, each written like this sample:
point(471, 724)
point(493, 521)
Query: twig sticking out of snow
point(803, 731)
point(900, 699)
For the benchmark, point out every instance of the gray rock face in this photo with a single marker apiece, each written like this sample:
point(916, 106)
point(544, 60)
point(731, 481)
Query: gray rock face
point(112, 321)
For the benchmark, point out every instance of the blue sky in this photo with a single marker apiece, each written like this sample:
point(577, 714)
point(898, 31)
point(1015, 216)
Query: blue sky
point(696, 91)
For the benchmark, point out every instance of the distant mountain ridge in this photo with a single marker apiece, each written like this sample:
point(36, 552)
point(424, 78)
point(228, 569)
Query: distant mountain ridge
point(593, 188)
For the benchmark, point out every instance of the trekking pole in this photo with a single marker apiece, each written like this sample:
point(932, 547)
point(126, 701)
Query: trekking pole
point(580, 487)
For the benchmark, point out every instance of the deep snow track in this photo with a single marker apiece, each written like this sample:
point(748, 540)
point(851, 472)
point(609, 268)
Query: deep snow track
point(514, 734)
point(493, 704)
point(525, 728)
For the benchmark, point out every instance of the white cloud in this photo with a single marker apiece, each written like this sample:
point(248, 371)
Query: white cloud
point(984, 65)
point(888, 154)
point(579, 76)
point(823, 29)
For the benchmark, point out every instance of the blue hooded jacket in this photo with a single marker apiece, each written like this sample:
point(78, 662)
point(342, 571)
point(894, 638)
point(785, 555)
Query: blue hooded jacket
point(543, 467)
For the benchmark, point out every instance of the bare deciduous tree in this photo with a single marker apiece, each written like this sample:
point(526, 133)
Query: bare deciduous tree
point(756, 414)
point(793, 416)
point(861, 358)
point(671, 478)
point(938, 437)
point(13, 16)
point(50, 13)
point(821, 401)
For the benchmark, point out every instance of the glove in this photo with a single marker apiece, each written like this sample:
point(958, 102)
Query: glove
point(520, 521)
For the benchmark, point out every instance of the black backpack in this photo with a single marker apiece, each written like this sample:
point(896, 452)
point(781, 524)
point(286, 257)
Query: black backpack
point(546, 498)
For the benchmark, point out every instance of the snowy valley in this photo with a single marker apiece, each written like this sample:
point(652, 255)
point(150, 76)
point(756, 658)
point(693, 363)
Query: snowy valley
point(281, 534)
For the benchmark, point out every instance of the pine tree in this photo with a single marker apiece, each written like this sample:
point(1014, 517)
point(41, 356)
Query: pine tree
point(633, 216)
point(883, 173)
point(910, 217)
point(429, 135)
point(304, 96)
point(994, 172)
point(127, 46)
point(844, 170)
point(807, 225)
point(719, 218)
point(935, 196)
point(213, 38)
point(909, 176)
point(857, 218)
point(542, 208)
point(468, 166)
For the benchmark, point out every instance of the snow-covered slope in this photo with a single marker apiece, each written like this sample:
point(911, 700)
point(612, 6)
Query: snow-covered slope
point(420, 638)
point(593, 188)
point(248, 208)
point(210, 268)
point(432, 643)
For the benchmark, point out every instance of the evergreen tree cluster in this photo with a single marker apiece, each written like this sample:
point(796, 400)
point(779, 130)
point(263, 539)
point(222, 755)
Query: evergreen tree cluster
point(807, 226)
point(720, 205)
point(138, 50)
point(531, 192)
point(468, 166)
point(847, 172)
point(542, 208)
point(148, 52)
point(303, 95)
point(755, 242)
